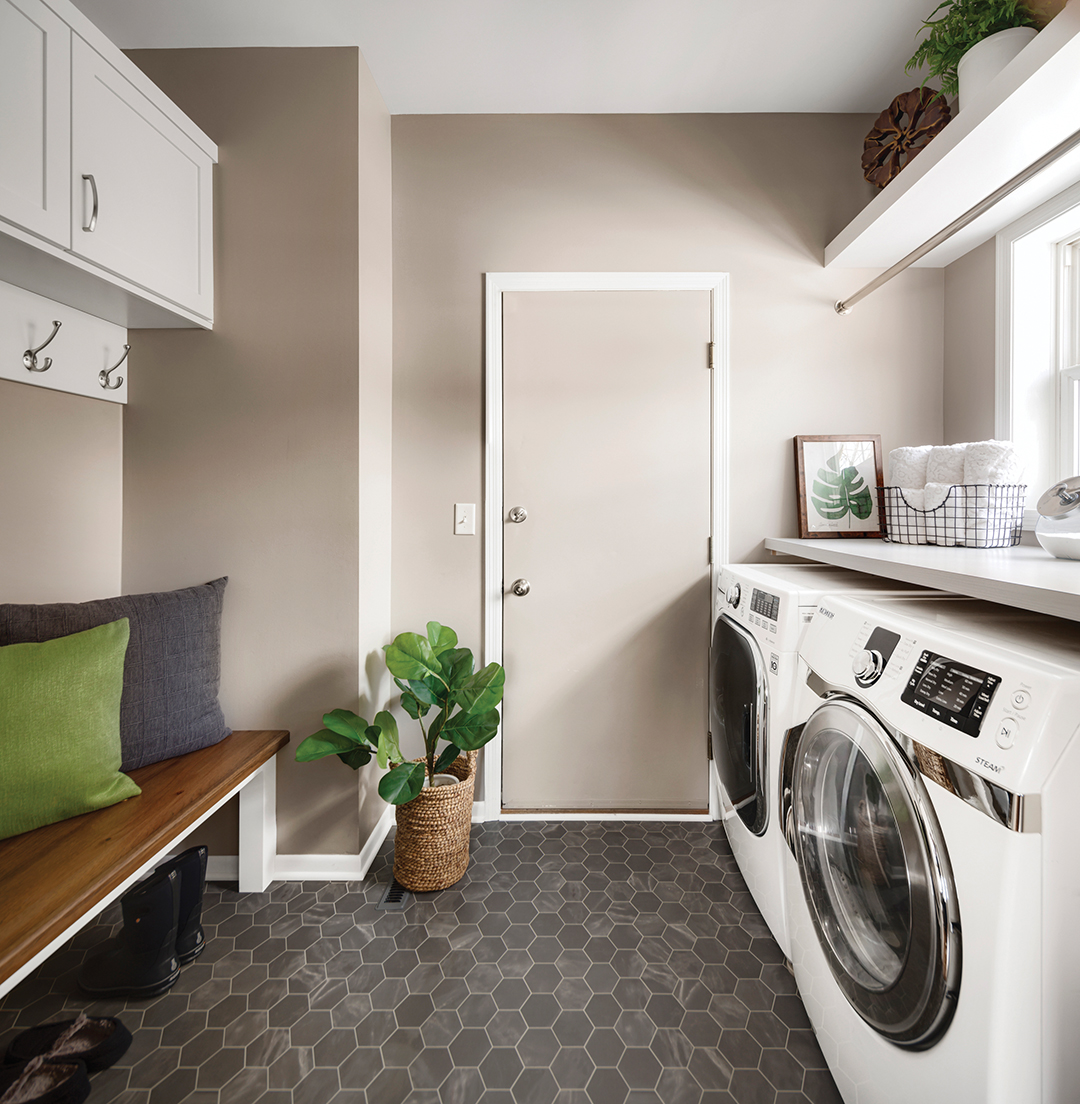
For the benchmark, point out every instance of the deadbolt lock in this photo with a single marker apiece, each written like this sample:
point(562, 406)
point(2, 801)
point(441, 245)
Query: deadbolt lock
point(518, 514)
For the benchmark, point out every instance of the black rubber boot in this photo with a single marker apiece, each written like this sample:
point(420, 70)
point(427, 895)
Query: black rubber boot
point(141, 961)
point(191, 867)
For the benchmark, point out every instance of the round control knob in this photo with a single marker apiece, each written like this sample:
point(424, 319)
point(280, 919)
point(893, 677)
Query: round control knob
point(733, 595)
point(521, 587)
point(867, 666)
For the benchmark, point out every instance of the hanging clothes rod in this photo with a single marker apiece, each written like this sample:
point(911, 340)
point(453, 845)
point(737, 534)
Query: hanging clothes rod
point(843, 306)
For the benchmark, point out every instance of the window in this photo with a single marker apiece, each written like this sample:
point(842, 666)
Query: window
point(1038, 340)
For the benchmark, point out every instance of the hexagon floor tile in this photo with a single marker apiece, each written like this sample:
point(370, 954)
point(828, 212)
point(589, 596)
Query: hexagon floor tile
point(592, 962)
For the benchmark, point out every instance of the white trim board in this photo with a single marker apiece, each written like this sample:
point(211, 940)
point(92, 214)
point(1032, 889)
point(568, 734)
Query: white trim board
point(495, 285)
point(1027, 309)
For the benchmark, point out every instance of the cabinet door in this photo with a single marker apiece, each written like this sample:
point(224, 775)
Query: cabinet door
point(141, 188)
point(35, 116)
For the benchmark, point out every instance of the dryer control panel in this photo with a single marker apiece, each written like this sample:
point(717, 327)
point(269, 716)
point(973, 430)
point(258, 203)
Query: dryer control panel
point(954, 693)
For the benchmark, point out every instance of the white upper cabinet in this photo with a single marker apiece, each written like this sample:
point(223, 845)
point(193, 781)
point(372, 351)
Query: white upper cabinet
point(35, 112)
point(106, 187)
point(141, 189)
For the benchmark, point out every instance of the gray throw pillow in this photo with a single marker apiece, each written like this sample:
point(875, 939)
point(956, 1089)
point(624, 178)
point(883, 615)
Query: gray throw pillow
point(172, 670)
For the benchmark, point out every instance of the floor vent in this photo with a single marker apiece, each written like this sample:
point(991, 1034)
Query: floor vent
point(394, 898)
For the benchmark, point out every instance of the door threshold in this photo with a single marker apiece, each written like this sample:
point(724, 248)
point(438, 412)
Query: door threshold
point(594, 811)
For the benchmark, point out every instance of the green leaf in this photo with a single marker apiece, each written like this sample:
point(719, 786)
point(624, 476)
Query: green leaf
point(440, 637)
point(840, 490)
point(389, 752)
point(356, 758)
point(411, 657)
point(482, 691)
point(449, 754)
point(457, 665)
point(423, 691)
point(346, 723)
point(415, 709)
point(470, 731)
point(323, 743)
point(402, 784)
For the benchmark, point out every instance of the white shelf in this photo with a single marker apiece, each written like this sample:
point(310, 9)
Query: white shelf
point(1026, 577)
point(1028, 110)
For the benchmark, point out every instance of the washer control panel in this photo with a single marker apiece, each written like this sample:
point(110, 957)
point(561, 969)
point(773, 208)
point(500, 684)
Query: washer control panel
point(953, 693)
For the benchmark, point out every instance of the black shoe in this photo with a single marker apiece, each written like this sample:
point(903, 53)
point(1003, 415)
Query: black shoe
point(191, 867)
point(99, 1042)
point(141, 961)
point(46, 1081)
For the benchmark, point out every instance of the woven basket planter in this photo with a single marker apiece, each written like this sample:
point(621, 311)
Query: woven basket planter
point(431, 845)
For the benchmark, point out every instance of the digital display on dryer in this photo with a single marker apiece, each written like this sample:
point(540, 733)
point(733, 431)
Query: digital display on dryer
point(950, 692)
point(949, 684)
point(765, 604)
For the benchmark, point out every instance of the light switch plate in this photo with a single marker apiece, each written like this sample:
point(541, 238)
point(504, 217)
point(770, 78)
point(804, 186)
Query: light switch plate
point(464, 519)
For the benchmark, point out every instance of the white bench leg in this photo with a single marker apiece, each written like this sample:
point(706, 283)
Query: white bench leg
point(258, 829)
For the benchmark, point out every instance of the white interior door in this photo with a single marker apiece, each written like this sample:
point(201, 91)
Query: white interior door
point(607, 445)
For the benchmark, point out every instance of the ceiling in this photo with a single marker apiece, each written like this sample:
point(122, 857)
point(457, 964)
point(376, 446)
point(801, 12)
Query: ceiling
point(507, 56)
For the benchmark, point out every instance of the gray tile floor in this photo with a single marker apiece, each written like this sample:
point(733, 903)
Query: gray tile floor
point(577, 963)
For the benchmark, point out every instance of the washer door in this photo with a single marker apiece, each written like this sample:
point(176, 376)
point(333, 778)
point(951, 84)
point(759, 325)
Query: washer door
point(876, 875)
point(738, 713)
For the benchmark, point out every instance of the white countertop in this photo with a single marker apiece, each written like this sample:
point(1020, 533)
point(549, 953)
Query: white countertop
point(1026, 577)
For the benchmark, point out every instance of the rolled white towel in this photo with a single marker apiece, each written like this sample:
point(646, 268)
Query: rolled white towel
point(934, 494)
point(915, 497)
point(991, 462)
point(944, 514)
point(907, 467)
point(904, 515)
point(945, 464)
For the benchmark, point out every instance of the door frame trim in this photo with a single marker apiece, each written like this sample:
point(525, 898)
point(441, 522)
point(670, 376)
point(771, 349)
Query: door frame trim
point(495, 285)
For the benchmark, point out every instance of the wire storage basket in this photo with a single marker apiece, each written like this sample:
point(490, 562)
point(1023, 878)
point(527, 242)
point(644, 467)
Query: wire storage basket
point(985, 515)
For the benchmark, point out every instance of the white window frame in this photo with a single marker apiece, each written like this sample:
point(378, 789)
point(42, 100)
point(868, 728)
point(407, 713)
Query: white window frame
point(1037, 401)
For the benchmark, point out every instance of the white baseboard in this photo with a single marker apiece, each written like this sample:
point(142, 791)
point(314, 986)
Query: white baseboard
point(314, 868)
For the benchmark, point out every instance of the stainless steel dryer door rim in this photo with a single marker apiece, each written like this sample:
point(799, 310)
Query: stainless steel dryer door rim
point(743, 770)
point(875, 872)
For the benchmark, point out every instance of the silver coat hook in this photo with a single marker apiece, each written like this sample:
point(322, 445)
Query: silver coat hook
point(29, 358)
point(103, 375)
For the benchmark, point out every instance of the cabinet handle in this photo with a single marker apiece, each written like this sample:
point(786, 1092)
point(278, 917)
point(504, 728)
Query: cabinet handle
point(92, 224)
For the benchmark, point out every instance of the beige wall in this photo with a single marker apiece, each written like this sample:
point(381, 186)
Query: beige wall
point(757, 196)
point(60, 495)
point(968, 383)
point(242, 445)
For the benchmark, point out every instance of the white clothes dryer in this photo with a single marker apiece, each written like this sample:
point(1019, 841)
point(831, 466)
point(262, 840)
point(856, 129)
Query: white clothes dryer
point(759, 616)
point(930, 803)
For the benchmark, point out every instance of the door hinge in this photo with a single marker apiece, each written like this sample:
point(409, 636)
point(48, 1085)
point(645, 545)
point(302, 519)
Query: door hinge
point(708, 744)
point(710, 551)
point(712, 355)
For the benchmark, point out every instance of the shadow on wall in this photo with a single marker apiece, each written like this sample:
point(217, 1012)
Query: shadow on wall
point(783, 177)
point(317, 800)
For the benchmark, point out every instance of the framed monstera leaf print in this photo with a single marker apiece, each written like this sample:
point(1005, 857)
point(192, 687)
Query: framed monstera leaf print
point(837, 480)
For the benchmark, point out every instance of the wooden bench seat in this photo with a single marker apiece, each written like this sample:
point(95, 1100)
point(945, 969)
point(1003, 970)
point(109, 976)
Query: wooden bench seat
point(55, 879)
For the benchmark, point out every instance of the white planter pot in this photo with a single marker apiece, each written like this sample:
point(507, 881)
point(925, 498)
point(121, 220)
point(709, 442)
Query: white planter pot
point(982, 63)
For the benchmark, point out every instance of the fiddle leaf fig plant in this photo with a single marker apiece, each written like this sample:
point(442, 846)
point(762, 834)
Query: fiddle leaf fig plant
point(432, 673)
point(962, 24)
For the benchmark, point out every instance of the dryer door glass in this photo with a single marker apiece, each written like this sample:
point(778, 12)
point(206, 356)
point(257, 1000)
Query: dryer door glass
point(876, 875)
point(738, 713)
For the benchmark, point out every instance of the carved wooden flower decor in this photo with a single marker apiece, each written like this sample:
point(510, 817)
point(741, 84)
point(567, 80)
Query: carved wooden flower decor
point(901, 130)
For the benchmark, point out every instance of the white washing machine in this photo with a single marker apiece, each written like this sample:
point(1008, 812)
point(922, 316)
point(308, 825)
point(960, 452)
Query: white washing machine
point(931, 803)
point(759, 615)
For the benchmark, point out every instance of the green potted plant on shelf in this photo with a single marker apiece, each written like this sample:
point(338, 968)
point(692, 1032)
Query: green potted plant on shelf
point(964, 24)
point(431, 847)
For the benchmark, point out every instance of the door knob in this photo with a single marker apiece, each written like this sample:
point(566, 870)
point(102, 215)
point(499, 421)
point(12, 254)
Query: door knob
point(518, 514)
point(521, 587)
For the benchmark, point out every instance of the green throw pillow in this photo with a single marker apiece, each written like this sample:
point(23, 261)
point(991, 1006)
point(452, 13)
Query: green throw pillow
point(60, 728)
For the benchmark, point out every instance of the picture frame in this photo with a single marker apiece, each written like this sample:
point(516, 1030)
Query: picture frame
point(836, 480)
